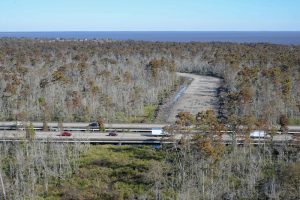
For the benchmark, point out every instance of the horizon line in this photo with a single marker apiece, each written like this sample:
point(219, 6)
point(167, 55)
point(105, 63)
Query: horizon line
point(149, 31)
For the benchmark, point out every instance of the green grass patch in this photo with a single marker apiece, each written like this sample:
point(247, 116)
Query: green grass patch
point(294, 121)
point(148, 116)
point(112, 172)
point(149, 111)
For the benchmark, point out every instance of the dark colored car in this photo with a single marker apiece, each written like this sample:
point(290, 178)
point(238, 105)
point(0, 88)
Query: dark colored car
point(112, 134)
point(65, 133)
point(94, 125)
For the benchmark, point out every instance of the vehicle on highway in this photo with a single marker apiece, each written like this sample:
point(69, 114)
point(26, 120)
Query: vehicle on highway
point(93, 126)
point(159, 132)
point(53, 129)
point(112, 133)
point(65, 133)
point(17, 126)
point(259, 134)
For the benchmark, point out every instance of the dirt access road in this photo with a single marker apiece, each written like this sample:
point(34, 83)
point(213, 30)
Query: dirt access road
point(200, 95)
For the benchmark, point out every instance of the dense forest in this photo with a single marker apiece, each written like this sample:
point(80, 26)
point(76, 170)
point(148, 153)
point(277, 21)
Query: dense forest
point(31, 168)
point(60, 80)
point(38, 170)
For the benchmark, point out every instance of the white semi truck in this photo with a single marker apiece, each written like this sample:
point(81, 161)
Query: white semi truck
point(259, 134)
point(158, 132)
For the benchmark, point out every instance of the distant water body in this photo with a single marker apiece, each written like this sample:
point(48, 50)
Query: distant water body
point(170, 36)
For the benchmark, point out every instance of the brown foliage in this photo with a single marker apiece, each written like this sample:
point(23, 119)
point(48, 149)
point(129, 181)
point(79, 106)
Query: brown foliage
point(254, 74)
point(185, 119)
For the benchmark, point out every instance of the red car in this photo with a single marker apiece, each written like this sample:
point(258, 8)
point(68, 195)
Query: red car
point(65, 133)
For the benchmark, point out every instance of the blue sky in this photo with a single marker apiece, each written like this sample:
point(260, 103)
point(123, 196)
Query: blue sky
point(149, 15)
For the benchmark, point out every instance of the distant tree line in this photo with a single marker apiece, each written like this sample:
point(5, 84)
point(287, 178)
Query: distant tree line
point(82, 80)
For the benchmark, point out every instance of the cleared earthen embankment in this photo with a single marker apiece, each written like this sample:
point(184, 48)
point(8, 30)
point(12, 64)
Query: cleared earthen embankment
point(200, 95)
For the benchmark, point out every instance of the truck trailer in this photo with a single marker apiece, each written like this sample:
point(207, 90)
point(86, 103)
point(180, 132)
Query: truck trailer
point(158, 132)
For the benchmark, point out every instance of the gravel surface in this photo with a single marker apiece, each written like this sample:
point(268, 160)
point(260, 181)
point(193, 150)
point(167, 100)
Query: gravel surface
point(200, 95)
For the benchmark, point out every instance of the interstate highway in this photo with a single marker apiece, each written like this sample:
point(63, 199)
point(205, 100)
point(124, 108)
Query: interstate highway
point(125, 138)
point(127, 133)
